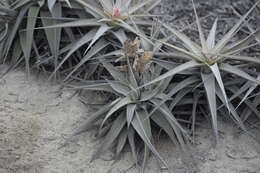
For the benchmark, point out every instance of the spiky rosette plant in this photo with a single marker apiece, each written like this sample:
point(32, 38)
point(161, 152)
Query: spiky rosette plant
point(103, 21)
point(129, 114)
point(215, 64)
point(7, 15)
point(21, 42)
point(116, 11)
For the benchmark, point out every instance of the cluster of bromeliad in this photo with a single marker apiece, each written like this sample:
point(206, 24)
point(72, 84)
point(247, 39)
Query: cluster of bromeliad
point(117, 46)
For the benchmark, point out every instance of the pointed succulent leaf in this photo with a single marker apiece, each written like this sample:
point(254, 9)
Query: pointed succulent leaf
point(112, 135)
point(201, 34)
point(139, 127)
point(215, 70)
point(178, 69)
point(100, 32)
point(212, 36)
point(123, 102)
point(209, 84)
point(130, 111)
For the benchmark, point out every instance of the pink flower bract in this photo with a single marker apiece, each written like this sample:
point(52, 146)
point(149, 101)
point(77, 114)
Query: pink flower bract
point(116, 12)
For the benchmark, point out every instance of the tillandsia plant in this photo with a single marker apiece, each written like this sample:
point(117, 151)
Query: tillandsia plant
point(20, 42)
point(7, 15)
point(106, 20)
point(215, 64)
point(129, 114)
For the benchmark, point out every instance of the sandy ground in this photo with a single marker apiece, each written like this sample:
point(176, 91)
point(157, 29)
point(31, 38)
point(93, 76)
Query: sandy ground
point(36, 118)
